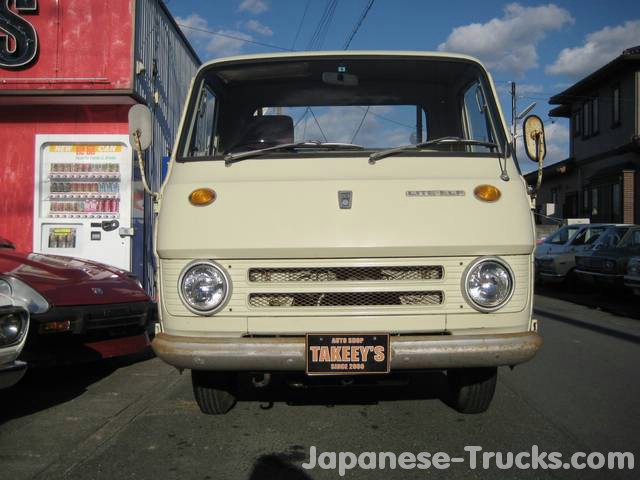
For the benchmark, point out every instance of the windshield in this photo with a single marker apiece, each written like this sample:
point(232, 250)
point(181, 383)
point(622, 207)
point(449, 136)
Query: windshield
point(373, 103)
point(632, 240)
point(562, 235)
point(610, 238)
point(588, 236)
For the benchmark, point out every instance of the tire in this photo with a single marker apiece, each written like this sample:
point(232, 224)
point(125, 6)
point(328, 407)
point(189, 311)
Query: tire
point(572, 282)
point(214, 391)
point(471, 389)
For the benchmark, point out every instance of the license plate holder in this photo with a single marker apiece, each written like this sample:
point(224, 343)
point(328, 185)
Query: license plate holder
point(347, 354)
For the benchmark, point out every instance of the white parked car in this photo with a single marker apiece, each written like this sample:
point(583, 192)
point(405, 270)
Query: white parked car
point(14, 324)
point(555, 257)
point(632, 277)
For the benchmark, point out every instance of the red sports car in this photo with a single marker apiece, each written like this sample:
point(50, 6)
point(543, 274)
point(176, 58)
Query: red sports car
point(80, 310)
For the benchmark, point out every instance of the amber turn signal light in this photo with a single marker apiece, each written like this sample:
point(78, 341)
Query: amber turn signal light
point(202, 196)
point(487, 193)
point(58, 326)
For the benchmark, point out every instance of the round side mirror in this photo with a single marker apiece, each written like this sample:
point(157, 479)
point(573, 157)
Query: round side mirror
point(534, 140)
point(140, 126)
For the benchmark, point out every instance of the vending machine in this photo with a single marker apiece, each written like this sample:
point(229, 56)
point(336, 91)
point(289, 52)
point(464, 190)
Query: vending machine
point(83, 193)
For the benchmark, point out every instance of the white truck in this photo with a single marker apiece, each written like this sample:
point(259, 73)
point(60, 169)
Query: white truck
point(345, 213)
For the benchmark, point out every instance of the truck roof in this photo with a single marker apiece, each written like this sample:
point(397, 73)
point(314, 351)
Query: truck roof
point(344, 53)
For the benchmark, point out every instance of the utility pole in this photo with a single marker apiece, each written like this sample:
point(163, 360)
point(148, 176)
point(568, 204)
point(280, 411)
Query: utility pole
point(514, 112)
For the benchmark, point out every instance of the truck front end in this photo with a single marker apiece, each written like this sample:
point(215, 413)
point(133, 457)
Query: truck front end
point(345, 213)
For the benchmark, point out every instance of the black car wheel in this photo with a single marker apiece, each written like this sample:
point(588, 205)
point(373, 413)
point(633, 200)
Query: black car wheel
point(214, 391)
point(471, 389)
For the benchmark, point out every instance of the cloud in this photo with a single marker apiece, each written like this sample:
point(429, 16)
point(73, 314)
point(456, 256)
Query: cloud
point(340, 125)
point(253, 6)
point(522, 88)
point(220, 43)
point(599, 48)
point(231, 43)
point(509, 43)
point(192, 27)
point(257, 27)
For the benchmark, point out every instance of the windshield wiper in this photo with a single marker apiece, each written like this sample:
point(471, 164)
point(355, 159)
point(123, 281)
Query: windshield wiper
point(234, 157)
point(374, 157)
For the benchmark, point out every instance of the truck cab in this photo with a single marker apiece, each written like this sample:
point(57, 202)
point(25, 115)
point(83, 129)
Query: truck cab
point(344, 214)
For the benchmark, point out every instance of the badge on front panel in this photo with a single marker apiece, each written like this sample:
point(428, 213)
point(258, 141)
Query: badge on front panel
point(344, 199)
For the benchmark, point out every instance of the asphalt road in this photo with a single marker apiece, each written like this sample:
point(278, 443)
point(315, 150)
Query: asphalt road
point(136, 418)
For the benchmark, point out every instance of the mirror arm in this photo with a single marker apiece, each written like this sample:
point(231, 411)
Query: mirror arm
point(504, 175)
point(540, 162)
point(138, 147)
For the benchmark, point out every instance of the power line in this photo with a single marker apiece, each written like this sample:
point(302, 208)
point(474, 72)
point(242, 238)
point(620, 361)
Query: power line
point(318, 124)
point(355, 134)
point(346, 47)
point(358, 24)
point(226, 35)
point(304, 15)
point(320, 33)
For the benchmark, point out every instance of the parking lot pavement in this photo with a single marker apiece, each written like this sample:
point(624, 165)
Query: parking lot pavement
point(136, 418)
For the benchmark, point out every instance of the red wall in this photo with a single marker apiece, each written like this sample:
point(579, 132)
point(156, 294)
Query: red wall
point(18, 127)
point(78, 38)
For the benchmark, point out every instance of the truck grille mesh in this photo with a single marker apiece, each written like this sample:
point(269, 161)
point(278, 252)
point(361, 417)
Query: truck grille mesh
point(345, 274)
point(339, 299)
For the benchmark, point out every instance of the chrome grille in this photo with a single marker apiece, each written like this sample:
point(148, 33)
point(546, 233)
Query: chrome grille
point(346, 274)
point(340, 299)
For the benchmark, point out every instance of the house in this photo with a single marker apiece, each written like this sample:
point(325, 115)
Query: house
point(601, 178)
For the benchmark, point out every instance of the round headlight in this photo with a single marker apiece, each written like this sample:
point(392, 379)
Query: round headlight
point(13, 324)
point(488, 284)
point(204, 287)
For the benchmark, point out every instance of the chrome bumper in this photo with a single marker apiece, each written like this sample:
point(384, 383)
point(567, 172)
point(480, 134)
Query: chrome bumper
point(287, 353)
point(12, 373)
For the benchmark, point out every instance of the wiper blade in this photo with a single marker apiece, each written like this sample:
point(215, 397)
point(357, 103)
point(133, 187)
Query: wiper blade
point(234, 157)
point(436, 141)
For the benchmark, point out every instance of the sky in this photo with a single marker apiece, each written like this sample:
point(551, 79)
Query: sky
point(543, 47)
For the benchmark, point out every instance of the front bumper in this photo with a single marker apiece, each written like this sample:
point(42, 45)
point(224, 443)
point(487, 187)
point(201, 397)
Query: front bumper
point(632, 281)
point(552, 277)
point(95, 332)
point(12, 373)
point(599, 278)
point(287, 353)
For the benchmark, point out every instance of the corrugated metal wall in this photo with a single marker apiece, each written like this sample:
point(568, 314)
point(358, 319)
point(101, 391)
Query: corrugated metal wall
point(169, 65)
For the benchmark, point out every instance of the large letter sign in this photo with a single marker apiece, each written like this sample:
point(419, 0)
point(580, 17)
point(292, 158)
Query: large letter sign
point(18, 39)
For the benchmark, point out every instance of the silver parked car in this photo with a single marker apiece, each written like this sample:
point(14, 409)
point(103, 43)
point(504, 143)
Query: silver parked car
point(14, 323)
point(555, 256)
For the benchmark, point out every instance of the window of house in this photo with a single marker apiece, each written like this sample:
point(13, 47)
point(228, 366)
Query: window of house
point(585, 201)
point(576, 123)
point(586, 116)
point(615, 99)
point(554, 195)
point(594, 201)
point(595, 122)
point(616, 202)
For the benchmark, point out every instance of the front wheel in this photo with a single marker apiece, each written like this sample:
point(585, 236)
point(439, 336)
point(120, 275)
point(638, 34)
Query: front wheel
point(471, 389)
point(214, 391)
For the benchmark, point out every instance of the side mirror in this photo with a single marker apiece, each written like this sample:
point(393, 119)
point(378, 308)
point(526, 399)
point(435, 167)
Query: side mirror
point(534, 141)
point(140, 126)
point(535, 145)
